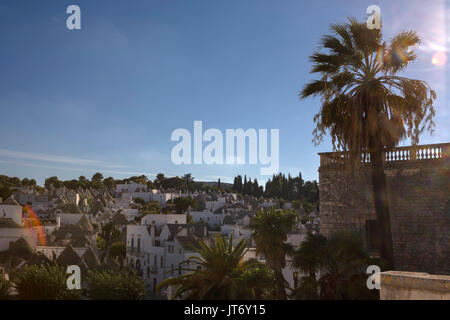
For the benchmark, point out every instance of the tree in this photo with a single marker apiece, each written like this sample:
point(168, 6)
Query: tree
point(118, 249)
point(44, 282)
point(5, 287)
point(97, 177)
point(183, 203)
point(345, 263)
point(217, 273)
point(160, 181)
point(96, 181)
point(258, 281)
point(53, 181)
point(109, 183)
point(110, 285)
point(309, 259)
point(270, 230)
point(367, 107)
point(342, 261)
point(188, 181)
point(108, 235)
point(151, 207)
point(139, 201)
point(150, 185)
point(237, 185)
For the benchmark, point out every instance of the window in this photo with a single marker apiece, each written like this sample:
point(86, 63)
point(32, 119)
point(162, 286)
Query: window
point(171, 269)
point(162, 262)
point(199, 268)
point(132, 243)
point(155, 260)
point(139, 245)
point(179, 270)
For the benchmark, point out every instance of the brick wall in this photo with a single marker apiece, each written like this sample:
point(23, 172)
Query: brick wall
point(419, 201)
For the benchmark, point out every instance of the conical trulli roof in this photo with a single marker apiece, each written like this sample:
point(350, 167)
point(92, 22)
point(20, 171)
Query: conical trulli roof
point(90, 258)
point(68, 256)
point(119, 218)
point(38, 259)
point(10, 201)
point(85, 224)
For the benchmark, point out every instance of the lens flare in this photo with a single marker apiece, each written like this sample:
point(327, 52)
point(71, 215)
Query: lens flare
point(439, 58)
point(34, 222)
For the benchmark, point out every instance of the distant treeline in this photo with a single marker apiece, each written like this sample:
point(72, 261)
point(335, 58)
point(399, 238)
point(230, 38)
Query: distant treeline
point(98, 181)
point(280, 187)
point(8, 184)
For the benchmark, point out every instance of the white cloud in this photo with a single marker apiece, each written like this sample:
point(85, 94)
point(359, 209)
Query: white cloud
point(119, 172)
point(54, 158)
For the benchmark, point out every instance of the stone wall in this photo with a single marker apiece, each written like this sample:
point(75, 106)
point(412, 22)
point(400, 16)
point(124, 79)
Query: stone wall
point(419, 202)
point(397, 285)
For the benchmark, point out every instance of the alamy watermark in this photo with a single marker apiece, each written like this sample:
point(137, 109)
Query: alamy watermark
point(374, 17)
point(374, 280)
point(73, 21)
point(74, 279)
point(235, 139)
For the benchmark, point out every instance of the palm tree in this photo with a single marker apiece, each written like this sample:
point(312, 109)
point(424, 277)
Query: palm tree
point(367, 107)
point(341, 260)
point(220, 274)
point(309, 259)
point(344, 265)
point(270, 230)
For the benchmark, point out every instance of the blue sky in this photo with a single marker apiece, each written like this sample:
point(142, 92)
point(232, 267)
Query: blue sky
point(107, 98)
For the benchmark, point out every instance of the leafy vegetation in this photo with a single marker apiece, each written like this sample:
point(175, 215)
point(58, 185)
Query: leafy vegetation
point(219, 273)
point(110, 285)
point(44, 282)
point(306, 194)
point(270, 230)
point(118, 249)
point(5, 287)
point(105, 239)
point(183, 203)
point(342, 260)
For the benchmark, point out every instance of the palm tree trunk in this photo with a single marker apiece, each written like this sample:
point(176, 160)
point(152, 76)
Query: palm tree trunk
point(279, 279)
point(380, 195)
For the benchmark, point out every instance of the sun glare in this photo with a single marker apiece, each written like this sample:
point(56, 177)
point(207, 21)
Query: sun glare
point(439, 59)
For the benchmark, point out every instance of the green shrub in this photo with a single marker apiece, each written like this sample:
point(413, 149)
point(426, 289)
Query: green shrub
point(44, 282)
point(108, 285)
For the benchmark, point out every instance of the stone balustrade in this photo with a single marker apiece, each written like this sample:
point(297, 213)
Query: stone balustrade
point(398, 154)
